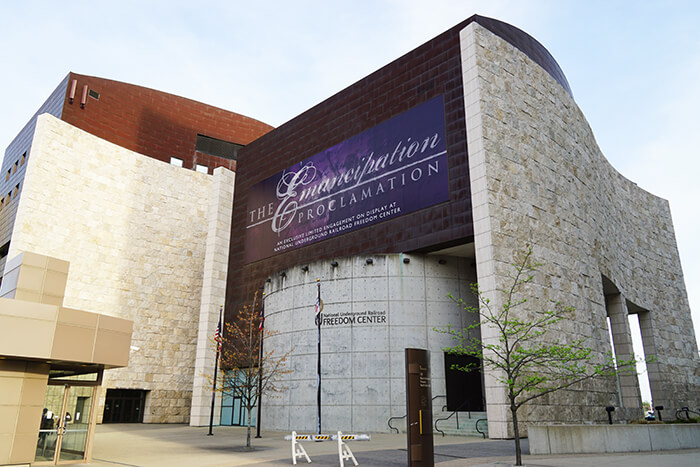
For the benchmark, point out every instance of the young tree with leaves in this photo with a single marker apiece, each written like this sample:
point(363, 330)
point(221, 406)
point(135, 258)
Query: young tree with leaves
point(522, 354)
point(248, 371)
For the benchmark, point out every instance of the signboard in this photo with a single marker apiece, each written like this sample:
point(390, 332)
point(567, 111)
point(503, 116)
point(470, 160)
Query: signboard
point(394, 168)
point(419, 409)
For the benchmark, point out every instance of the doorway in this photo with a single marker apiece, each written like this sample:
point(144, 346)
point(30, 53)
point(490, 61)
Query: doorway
point(464, 389)
point(124, 406)
point(66, 424)
point(233, 413)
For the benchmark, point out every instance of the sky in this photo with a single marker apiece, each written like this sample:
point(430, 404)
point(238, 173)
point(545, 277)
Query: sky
point(633, 67)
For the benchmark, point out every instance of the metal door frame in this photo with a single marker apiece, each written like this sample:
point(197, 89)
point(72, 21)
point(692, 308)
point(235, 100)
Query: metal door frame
point(87, 455)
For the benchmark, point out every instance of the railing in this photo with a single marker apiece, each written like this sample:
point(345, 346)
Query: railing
point(450, 416)
point(476, 427)
point(686, 412)
point(391, 427)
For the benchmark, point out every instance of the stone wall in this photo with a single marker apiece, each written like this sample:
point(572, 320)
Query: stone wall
point(372, 312)
point(539, 178)
point(134, 231)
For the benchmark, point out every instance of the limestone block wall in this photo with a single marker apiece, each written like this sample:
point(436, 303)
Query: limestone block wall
point(372, 312)
point(539, 178)
point(213, 295)
point(134, 231)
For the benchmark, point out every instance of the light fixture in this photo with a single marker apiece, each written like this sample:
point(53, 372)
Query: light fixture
point(334, 264)
point(83, 99)
point(268, 280)
point(406, 260)
point(442, 261)
point(305, 268)
point(283, 274)
point(71, 95)
point(369, 261)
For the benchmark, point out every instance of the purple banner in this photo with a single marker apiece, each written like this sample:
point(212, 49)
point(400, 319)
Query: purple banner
point(397, 167)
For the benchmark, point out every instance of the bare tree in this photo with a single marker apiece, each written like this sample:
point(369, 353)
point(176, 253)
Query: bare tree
point(248, 372)
point(525, 358)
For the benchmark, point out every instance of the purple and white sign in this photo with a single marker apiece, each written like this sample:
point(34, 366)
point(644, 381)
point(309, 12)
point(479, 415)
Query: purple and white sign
point(397, 167)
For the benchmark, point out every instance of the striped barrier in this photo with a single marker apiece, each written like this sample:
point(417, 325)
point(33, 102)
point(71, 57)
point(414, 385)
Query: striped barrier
point(344, 452)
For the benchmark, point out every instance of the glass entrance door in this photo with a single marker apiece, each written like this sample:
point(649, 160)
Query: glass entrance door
point(76, 426)
point(50, 423)
point(65, 424)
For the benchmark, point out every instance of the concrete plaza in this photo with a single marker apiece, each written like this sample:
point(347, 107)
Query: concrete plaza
point(180, 445)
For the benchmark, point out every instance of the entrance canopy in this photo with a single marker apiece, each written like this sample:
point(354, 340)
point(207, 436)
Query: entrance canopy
point(43, 343)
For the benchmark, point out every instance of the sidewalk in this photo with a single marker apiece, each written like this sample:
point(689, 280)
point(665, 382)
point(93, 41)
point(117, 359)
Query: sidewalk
point(141, 445)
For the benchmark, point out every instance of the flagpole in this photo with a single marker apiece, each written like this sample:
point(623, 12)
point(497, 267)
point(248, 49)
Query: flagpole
point(319, 307)
point(216, 367)
point(260, 364)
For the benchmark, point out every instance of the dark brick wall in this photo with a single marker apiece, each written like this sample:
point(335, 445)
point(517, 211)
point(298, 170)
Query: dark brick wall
point(155, 123)
point(430, 70)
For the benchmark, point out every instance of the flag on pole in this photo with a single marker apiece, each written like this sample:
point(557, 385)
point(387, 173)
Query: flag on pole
point(318, 310)
point(262, 319)
point(217, 335)
point(319, 307)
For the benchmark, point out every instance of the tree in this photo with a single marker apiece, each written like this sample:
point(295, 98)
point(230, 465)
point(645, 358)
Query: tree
point(526, 360)
point(248, 372)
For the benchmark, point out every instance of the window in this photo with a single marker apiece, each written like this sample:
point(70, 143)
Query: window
point(202, 168)
point(217, 147)
point(14, 168)
point(23, 158)
point(7, 177)
point(176, 162)
point(14, 192)
point(4, 249)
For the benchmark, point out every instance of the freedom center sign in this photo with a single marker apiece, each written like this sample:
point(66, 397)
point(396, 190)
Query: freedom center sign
point(394, 168)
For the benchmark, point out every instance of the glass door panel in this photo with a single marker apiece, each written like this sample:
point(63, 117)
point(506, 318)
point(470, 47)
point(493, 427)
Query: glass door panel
point(77, 423)
point(50, 423)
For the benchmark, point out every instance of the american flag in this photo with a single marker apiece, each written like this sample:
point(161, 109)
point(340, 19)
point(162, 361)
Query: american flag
point(217, 336)
point(262, 320)
point(318, 309)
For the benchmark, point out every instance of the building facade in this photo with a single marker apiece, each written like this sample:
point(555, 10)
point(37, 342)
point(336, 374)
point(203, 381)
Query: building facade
point(90, 180)
point(435, 171)
point(430, 174)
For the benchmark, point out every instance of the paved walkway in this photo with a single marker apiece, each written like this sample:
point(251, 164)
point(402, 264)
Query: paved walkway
point(179, 445)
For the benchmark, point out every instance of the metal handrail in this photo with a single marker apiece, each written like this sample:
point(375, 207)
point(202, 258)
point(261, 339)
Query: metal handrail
point(446, 418)
point(404, 416)
point(687, 411)
point(476, 427)
point(450, 416)
point(395, 418)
